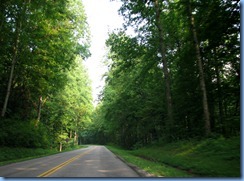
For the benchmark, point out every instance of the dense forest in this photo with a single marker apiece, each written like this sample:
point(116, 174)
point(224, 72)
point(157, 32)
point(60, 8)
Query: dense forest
point(176, 78)
point(45, 92)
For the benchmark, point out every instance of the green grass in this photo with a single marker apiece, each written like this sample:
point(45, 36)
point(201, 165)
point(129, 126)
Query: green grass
point(157, 169)
point(11, 155)
point(206, 158)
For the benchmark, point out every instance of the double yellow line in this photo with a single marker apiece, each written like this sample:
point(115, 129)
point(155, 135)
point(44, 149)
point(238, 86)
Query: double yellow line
point(54, 169)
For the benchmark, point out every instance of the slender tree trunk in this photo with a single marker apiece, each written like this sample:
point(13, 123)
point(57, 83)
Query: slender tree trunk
point(14, 59)
point(41, 102)
point(201, 72)
point(220, 97)
point(19, 22)
point(70, 134)
point(39, 109)
point(159, 24)
point(75, 138)
point(60, 146)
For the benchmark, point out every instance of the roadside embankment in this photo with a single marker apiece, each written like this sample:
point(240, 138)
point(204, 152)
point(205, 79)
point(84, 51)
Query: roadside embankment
point(219, 157)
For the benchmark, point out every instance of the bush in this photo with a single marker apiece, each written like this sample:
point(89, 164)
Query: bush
point(18, 133)
point(8, 154)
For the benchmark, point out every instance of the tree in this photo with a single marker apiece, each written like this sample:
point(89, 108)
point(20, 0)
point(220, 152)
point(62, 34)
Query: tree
point(69, 110)
point(162, 49)
point(201, 72)
point(18, 26)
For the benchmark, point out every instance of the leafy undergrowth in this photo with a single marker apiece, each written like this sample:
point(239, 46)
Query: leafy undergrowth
point(10, 155)
point(206, 158)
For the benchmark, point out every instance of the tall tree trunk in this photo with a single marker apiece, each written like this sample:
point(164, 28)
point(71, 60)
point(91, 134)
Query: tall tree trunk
point(220, 97)
point(39, 109)
point(19, 21)
point(159, 24)
point(201, 72)
point(75, 138)
point(14, 59)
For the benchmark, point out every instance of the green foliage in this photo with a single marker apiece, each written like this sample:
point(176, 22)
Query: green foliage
point(134, 108)
point(12, 155)
point(69, 111)
point(50, 96)
point(23, 134)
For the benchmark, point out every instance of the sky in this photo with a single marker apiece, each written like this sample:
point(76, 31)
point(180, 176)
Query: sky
point(102, 17)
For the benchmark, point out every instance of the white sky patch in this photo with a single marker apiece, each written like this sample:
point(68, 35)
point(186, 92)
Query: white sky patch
point(102, 17)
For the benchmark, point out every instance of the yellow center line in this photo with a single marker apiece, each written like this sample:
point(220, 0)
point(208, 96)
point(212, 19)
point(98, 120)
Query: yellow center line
point(54, 169)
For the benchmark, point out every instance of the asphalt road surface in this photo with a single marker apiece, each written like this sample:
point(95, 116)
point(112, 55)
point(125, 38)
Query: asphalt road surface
point(94, 161)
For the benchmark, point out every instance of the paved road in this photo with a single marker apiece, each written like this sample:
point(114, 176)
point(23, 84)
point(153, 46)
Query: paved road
point(94, 161)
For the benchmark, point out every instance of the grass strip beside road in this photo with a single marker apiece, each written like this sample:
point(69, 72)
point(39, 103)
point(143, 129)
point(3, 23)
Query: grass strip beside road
point(154, 168)
point(13, 155)
point(213, 157)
